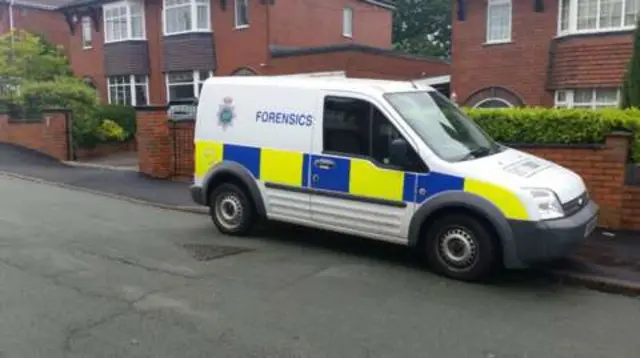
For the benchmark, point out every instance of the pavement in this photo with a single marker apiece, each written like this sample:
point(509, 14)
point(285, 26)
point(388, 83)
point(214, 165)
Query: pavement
point(84, 275)
point(608, 261)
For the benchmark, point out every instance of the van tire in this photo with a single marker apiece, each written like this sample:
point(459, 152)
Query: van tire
point(462, 247)
point(231, 210)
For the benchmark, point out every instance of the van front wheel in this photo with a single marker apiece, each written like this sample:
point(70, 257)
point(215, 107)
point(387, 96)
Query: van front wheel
point(231, 210)
point(461, 247)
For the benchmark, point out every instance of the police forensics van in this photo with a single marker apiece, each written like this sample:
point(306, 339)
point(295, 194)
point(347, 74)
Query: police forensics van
point(384, 160)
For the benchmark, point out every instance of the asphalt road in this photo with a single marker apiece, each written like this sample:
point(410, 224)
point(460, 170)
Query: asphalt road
point(86, 276)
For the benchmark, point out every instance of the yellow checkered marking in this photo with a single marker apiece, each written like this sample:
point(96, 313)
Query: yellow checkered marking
point(281, 167)
point(207, 154)
point(504, 199)
point(365, 179)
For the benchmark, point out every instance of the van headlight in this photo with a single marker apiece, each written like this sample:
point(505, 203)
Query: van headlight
point(547, 203)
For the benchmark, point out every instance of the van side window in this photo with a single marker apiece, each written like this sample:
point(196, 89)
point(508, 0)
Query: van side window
point(354, 127)
point(346, 126)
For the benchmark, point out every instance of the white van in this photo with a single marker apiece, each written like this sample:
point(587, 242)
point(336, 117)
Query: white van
point(385, 160)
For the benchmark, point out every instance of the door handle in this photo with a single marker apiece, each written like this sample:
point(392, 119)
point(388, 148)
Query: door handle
point(324, 163)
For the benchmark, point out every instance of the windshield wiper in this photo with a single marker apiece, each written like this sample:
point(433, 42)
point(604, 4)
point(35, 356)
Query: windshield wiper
point(477, 153)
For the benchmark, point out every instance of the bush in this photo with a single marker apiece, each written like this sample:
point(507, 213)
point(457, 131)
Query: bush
point(109, 130)
point(124, 116)
point(551, 125)
point(69, 93)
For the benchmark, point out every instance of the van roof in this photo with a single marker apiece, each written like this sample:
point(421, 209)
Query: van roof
point(324, 83)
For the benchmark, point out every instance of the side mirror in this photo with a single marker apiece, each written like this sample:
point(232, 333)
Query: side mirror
point(398, 151)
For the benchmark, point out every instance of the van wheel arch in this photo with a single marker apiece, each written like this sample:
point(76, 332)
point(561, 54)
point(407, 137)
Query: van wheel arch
point(458, 210)
point(243, 180)
point(465, 203)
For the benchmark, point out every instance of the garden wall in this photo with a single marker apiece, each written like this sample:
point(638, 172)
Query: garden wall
point(103, 149)
point(165, 150)
point(48, 135)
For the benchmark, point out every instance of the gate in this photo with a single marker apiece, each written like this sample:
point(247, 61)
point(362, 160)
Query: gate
point(181, 125)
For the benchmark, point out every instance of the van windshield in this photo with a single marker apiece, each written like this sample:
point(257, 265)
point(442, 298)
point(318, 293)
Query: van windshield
point(443, 126)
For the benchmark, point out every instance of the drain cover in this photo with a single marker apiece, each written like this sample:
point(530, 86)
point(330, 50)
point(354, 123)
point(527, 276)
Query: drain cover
point(211, 252)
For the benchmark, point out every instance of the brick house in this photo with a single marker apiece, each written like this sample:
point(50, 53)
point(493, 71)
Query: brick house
point(152, 51)
point(564, 53)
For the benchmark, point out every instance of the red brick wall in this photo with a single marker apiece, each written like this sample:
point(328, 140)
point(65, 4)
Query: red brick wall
point(153, 143)
point(48, 136)
point(603, 171)
point(631, 208)
point(308, 23)
point(593, 61)
point(89, 62)
point(104, 149)
point(357, 64)
point(520, 66)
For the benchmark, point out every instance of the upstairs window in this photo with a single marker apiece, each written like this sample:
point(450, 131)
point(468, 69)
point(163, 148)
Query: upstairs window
point(242, 13)
point(347, 22)
point(580, 16)
point(498, 21)
point(183, 16)
point(124, 21)
point(86, 33)
point(593, 98)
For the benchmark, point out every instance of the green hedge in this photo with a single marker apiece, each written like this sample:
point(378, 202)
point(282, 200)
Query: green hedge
point(124, 116)
point(558, 126)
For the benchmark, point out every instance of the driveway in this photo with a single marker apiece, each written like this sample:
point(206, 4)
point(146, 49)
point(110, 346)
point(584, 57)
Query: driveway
point(88, 276)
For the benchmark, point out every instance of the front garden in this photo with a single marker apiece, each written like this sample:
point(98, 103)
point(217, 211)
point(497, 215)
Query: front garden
point(35, 75)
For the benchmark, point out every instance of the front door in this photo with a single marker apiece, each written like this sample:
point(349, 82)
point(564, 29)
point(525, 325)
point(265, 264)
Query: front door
point(355, 186)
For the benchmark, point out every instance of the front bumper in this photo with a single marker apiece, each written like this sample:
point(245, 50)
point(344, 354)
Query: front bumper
point(548, 240)
point(197, 195)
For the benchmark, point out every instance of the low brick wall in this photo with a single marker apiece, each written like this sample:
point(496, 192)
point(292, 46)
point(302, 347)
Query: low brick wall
point(165, 150)
point(48, 135)
point(104, 149)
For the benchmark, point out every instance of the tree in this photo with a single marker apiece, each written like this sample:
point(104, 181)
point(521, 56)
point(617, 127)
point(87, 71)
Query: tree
point(26, 57)
point(631, 84)
point(423, 27)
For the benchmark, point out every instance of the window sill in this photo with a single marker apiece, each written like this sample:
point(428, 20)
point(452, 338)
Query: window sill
point(347, 36)
point(126, 40)
point(187, 32)
point(241, 27)
point(496, 43)
point(85, 48)
point(618, 31)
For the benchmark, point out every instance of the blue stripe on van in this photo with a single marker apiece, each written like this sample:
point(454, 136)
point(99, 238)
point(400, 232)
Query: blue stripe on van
point(306, 163)
point(249, 157)
point(436, 183)
point(408, 188)
point(334, 179)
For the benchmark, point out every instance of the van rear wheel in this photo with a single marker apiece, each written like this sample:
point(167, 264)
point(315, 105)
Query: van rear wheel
point(461, 247)
point(231, 210)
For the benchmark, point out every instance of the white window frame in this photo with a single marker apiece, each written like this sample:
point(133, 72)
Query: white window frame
point(193, 6)
point(347, 22)
point(491, 3)
point(572, 26)
point(236, 8)
point(195, 82)
point(498, 99)
point(132, 85)
point(87, 33)
point(570, 103)
point(129, 36)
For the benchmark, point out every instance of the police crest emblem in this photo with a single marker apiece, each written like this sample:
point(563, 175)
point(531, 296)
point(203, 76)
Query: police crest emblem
point(226, 113)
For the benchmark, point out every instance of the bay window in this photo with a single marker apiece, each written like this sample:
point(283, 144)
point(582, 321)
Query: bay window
point(498, 21)
point(183, 16)
point(124, 21)
point(128, 90)
point(185, 85)
point(593, 98)
point(579, 16)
